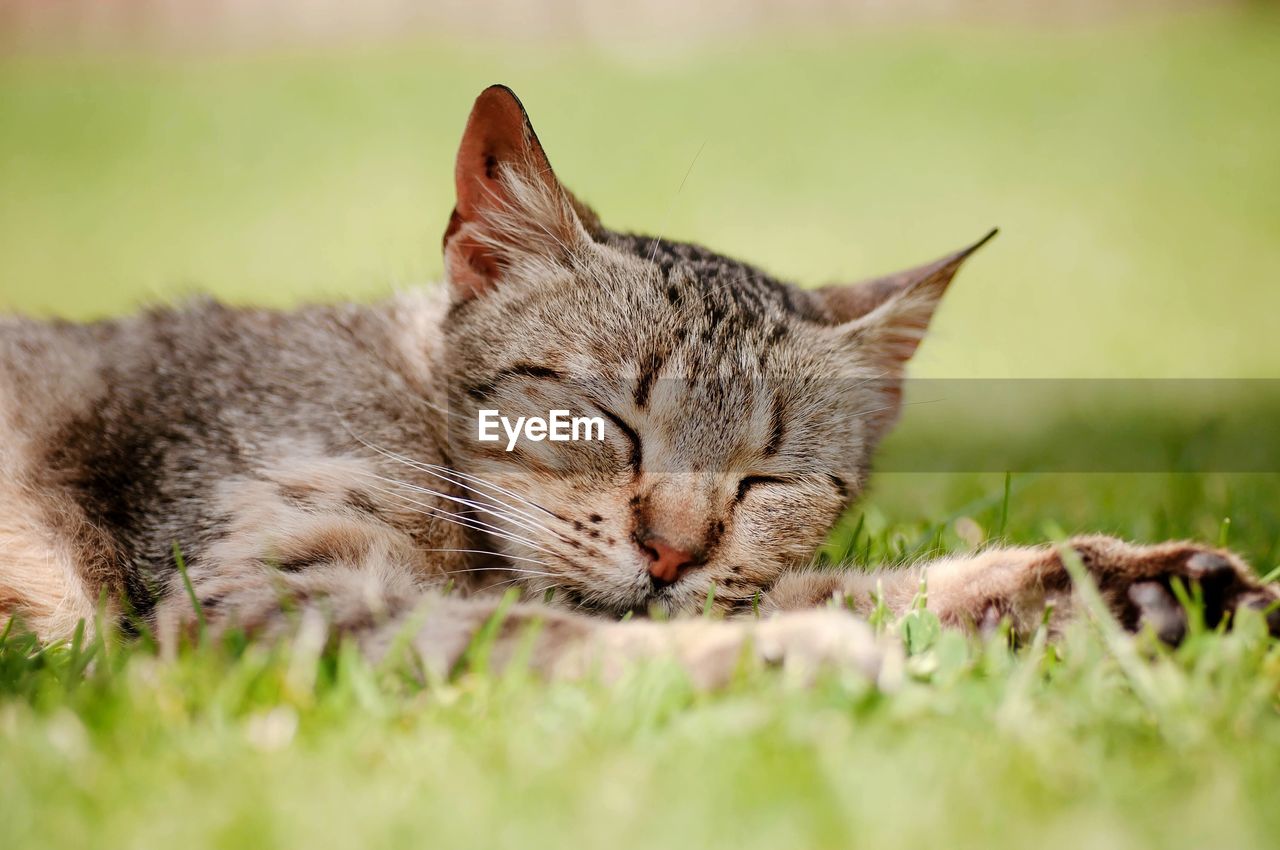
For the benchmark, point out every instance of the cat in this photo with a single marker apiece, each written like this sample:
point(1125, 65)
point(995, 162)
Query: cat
point(324, 464)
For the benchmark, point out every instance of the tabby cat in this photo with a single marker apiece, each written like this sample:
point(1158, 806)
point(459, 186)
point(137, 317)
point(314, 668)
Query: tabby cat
point(324, 464)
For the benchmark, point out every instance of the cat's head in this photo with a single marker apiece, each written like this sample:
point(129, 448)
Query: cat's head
point(739, 413)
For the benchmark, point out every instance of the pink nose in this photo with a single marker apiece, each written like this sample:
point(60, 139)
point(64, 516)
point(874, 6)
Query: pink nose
point(666, 562)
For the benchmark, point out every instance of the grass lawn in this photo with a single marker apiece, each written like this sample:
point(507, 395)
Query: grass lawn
point(1059, 747)
point(1134, 173)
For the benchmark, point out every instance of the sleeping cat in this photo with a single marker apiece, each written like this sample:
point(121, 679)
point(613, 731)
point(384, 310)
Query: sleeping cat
point(327, 462)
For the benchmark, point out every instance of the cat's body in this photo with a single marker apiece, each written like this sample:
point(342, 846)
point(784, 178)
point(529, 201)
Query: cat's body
point(325, 460)
point(185, 426)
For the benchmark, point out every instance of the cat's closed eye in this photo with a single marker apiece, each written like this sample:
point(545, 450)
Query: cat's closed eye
point(751, 481)
point(636, 455)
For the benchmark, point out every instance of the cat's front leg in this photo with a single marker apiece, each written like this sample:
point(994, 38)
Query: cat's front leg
point(711, 651)
point(382, 608)
point(1135, 582)
point(561, 645)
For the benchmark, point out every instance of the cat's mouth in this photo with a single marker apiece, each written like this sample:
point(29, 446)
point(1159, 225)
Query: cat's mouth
point(657, 600)
point(652, 602)
point(669, 600)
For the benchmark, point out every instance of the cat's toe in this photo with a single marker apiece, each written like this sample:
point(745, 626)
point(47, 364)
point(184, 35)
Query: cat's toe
point(1218, 583)
point(1207, 565)
point(1226, 585)
point(1267, 603)
point(1159, 610)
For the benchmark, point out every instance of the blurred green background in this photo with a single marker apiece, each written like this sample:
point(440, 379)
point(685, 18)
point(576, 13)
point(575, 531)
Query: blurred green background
point(1133, 166)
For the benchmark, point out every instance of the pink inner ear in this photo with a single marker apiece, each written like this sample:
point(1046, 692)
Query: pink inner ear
point(497, 133)
point(850, 302)
point(470, 266)
point(847, 302)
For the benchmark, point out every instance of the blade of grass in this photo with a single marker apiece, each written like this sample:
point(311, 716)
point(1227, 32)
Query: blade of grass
point(1004, 507)
point(191, 591)
point(476, 656)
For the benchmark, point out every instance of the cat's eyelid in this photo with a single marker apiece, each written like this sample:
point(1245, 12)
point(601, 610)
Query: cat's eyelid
point(637, 448)
point(749, 481)
point(528, 371)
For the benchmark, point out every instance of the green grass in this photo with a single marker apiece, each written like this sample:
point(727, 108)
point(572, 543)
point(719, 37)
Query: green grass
point(1134, 174)
point(1048, 747)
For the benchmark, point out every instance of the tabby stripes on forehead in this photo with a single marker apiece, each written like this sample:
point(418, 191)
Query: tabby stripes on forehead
point(650, 366)
point(777, 427)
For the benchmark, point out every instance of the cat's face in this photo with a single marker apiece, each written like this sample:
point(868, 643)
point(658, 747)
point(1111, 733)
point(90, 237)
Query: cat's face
point(734, 415)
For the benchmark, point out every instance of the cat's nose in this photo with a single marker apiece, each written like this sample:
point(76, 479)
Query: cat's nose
point(666, 562)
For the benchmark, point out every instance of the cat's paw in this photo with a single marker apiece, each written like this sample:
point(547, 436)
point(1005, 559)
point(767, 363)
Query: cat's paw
point(804, 643)
point(808, 641)
point(1139, 584)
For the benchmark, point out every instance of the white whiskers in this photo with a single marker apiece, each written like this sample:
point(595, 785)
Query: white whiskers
point(465, 522)
point(486, 552)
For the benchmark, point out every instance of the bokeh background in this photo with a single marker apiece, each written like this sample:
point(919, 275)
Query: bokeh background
point(302, 149)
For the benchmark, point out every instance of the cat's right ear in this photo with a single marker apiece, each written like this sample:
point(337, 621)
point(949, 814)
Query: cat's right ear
point(886, 317)
point(511, 214)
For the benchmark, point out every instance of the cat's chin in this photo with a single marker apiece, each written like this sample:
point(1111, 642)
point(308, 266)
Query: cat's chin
point(656, 604)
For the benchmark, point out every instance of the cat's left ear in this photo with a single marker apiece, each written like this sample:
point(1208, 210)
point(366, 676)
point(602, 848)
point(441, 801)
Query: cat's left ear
point(511, 211)
point(886, 317)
